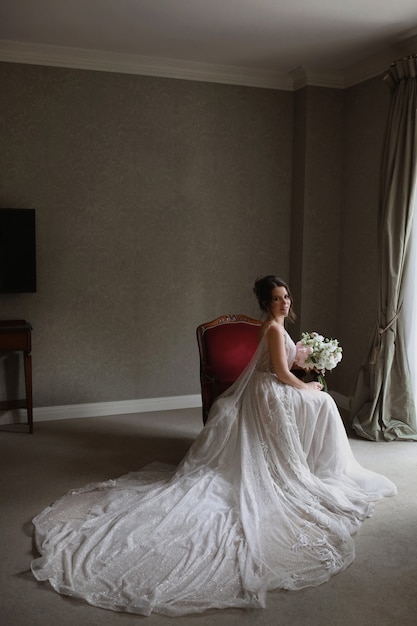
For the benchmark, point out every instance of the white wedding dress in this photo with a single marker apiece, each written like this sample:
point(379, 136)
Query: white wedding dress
point(267, 497)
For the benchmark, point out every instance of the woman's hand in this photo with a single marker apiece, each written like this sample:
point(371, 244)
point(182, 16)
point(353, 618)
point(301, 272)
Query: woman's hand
point(316, 386)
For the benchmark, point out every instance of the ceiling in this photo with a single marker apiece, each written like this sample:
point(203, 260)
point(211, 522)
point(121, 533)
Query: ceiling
point(269, 43)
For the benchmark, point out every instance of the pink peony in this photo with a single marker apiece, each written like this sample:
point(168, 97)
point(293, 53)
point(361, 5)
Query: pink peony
point(302, 354)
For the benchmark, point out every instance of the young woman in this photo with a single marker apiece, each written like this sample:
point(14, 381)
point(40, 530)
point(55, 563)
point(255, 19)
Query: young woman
point(275, 300)
point(267, 497)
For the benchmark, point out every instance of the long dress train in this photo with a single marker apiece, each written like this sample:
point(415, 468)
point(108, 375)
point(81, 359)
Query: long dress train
point(267, 497)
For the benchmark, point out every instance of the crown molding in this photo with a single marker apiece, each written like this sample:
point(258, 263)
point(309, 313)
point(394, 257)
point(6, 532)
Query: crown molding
point(379, 63)
point(99, 60)
point(80, 58)
point(309, 77)
point(368, 68)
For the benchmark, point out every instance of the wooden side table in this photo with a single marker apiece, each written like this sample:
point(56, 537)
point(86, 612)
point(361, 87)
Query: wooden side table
point(15, 336)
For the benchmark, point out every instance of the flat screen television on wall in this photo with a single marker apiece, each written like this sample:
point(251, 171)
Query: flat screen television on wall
point(17, 251)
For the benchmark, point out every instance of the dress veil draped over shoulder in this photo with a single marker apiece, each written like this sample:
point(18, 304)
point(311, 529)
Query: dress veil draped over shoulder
point(267, 497)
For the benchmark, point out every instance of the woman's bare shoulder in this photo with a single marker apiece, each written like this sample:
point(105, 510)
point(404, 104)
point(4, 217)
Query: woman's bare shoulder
point(272, 328)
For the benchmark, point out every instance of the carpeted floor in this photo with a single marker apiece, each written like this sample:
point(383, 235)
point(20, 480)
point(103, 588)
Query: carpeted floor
point(379, 588)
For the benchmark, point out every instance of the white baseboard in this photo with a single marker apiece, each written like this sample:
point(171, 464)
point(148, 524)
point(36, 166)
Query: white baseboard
point(99, 409)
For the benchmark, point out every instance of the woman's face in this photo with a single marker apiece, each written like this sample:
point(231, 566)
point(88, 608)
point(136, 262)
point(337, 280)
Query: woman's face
point(280, 302)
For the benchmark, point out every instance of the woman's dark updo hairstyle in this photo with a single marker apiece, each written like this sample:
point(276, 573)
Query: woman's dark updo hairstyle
point(263, 291)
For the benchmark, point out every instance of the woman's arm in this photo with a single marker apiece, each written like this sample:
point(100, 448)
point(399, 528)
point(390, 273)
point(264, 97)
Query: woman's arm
point(278, 356)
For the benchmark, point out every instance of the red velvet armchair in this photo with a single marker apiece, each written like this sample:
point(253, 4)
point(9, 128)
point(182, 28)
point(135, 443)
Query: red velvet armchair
point(226, 346)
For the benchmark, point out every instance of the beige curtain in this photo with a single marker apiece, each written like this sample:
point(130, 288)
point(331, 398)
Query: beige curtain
point(383, 406)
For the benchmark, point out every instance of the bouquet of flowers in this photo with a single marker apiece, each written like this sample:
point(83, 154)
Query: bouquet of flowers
point(317, 354)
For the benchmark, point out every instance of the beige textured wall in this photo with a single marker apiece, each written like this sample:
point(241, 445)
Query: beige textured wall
point(158, 202)
point(316, 210)
point(365, 119)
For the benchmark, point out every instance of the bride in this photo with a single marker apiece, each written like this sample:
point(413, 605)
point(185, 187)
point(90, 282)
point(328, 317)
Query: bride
point(267, 497)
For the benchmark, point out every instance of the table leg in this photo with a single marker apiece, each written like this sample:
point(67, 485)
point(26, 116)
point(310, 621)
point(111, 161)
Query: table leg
point(28, 385)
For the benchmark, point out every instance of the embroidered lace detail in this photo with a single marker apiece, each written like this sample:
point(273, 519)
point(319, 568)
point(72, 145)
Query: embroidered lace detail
point(244, 512)
point(330, 557)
